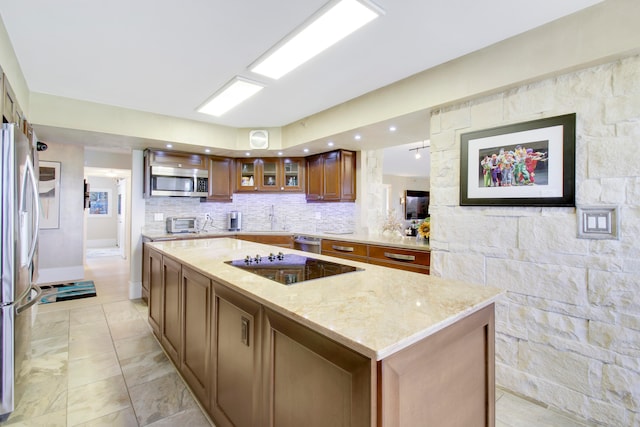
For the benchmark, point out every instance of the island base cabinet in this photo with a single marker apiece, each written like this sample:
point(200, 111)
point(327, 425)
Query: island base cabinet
point(445, 380)
point(152, 271)
point(236, 373)
point(312, 381)
point(171, 326)
point(196, 337)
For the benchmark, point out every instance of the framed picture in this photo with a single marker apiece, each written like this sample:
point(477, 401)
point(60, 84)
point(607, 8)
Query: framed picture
point(49, 194)
point(100, 202)
point(524, 164)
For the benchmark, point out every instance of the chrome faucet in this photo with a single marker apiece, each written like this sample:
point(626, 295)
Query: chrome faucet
point(272, 218)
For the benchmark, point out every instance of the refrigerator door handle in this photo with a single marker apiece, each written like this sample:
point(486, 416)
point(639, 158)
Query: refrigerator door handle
point(34, 299)
point(31, 176)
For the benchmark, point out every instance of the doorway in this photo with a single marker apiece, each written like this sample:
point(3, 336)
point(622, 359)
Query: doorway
point(107, 219)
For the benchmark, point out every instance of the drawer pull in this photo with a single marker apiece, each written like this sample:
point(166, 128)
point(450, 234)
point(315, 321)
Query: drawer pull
point(343, 248)
point(245, 331)
point(400, 257)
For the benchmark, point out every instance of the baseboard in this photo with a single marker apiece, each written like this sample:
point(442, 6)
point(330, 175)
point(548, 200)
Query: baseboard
point(101, 243)
point(60, 274)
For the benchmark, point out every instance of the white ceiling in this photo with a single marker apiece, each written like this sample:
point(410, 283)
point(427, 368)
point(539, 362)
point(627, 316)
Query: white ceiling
point(168, 57)
point(400, 160)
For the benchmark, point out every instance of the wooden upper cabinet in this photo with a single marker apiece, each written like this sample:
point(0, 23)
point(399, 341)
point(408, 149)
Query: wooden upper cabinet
point(177, 160)
point(315, 178)
point(247, 174)
point(11, 112)
point(9, 104)
point(293, 170)
point(270, 174)
point(220, 179)
point(331, 177)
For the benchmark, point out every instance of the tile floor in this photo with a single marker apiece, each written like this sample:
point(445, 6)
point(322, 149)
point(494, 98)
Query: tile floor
point(94, 362)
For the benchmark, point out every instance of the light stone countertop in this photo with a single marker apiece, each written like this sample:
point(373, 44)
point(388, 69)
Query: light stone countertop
point(396, 240)
point(375, 312)
point(370, 239)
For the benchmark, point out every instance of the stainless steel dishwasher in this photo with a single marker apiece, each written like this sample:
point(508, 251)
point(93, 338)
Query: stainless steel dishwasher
point(307, 244)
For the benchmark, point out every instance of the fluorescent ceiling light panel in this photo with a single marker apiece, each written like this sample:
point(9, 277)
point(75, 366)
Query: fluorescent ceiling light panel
point(232, 94)
point(327, 28)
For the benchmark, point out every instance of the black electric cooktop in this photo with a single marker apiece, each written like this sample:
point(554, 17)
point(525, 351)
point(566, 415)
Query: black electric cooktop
point(289, 269)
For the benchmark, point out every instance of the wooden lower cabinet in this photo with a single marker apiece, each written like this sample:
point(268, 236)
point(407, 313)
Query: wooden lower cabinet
point(387, 256)
point(344, 249)
point(282, 240)
point(171, 325)
point(250, 366)
point(152, 273)
point(312, 381)
point(403, 259)
point(196, 333)
point(236, 359)
point(444, 380)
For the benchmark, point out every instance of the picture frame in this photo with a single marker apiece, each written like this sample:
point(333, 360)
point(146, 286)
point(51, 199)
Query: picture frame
point(49, 194)
point(100, 201)
point(537, 157)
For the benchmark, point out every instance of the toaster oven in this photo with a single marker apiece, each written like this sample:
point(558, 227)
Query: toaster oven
point(181, 224)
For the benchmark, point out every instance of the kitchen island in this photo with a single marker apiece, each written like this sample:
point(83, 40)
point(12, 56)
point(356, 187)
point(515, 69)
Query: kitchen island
point(374, 347)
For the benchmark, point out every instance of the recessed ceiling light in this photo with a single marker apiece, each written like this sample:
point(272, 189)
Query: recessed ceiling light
point(169, 146)
point(392, 128)
point(247, 153)
point(280, 153)
point(330, 143)
point(357, 137)
point(206, 150)
point(306, 150)
point(333, 22)
point(231, 94)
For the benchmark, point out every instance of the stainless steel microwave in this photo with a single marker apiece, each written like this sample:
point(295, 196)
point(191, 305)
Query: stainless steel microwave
point(181, 182)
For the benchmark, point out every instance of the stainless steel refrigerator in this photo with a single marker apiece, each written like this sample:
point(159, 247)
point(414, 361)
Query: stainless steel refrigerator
point(20, 216)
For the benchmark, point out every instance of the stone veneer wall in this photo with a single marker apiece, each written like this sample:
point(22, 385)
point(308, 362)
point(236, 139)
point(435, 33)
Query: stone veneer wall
point(568, 328)
point(292, 212)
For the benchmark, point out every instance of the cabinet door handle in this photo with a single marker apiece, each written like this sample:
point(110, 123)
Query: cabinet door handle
point(343, 248)
point(245, 331)
point(400, 257)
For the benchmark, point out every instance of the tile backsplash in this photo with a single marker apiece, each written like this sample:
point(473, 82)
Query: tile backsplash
point(291, 212)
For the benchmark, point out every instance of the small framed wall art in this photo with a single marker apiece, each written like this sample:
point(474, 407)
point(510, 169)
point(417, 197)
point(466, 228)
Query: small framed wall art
point(49, 192)
point(100, 202)
point(524, 164)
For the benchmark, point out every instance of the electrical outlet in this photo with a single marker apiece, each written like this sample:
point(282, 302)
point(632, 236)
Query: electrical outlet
point(158, 217)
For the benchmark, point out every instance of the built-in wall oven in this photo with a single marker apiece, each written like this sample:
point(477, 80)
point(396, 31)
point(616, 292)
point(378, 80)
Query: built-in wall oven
point(181, 182)
point(307, 244)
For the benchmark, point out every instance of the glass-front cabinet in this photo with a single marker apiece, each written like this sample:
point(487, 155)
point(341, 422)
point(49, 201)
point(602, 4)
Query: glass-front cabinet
point(270, 174)
point(293, 172)
point(247, 178)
